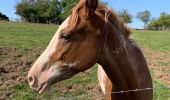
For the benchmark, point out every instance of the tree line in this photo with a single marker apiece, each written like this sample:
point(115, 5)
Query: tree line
point(55, 11)
point(161, 23)
point(44, 11)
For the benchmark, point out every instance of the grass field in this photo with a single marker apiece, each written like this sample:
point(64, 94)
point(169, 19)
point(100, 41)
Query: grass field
point(23, 36)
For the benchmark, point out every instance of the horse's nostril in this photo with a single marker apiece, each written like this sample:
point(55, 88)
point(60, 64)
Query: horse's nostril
point(31, 79)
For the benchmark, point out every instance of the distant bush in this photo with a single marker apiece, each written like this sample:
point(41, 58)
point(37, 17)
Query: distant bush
point(3, 17)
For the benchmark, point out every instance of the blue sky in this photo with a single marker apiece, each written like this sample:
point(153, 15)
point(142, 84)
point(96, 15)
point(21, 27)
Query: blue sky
point(133, 6)
point(7, 7)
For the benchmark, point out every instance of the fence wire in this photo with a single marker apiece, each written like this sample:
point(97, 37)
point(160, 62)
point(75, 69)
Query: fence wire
point(100, 95)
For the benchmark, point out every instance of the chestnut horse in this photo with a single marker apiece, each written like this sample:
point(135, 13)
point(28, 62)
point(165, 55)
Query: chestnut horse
point(93, 34)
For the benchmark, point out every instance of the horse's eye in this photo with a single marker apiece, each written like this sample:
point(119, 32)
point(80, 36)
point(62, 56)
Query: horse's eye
point(65, 37)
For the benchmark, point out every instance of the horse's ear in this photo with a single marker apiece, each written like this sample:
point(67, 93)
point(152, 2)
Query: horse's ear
point(91, 6)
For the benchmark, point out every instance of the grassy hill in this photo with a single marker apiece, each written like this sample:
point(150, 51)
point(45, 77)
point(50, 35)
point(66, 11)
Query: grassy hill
point(22, 43)
point(25, 35)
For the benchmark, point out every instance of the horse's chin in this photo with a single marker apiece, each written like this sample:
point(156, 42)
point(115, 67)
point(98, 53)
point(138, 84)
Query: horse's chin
point(51, 77)
point(44, 88)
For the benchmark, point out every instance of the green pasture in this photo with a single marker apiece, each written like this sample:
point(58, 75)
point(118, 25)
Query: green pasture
point(156, 40)
point(26, 35)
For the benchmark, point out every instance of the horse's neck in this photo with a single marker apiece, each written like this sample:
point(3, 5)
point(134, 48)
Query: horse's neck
point(120, 69)
point(124, 64)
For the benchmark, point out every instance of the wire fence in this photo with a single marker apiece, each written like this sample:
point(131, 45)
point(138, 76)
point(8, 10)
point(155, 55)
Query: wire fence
point(126, 91)
point(100, 96)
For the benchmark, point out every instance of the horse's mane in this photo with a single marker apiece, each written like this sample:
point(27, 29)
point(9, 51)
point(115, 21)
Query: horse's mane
point(102, 9)
point(111, 16)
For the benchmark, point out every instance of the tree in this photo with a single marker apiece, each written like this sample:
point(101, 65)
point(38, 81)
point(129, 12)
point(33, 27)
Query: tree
point(163, 14)
point(25, 10)
point(41, 7)
point(144, 17)
point(125, 16)
point(54, 11)
point(3, 17)
point(153, 25)
point(66, 5)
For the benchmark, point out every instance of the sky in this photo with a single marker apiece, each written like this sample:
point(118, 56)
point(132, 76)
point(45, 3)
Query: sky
point(7, 7)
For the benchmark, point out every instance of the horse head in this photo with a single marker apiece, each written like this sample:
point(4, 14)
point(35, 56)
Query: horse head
point(74, 48)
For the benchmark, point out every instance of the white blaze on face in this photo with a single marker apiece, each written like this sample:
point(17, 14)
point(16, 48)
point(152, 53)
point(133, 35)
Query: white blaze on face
point(45, 56)
point(41, 78)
